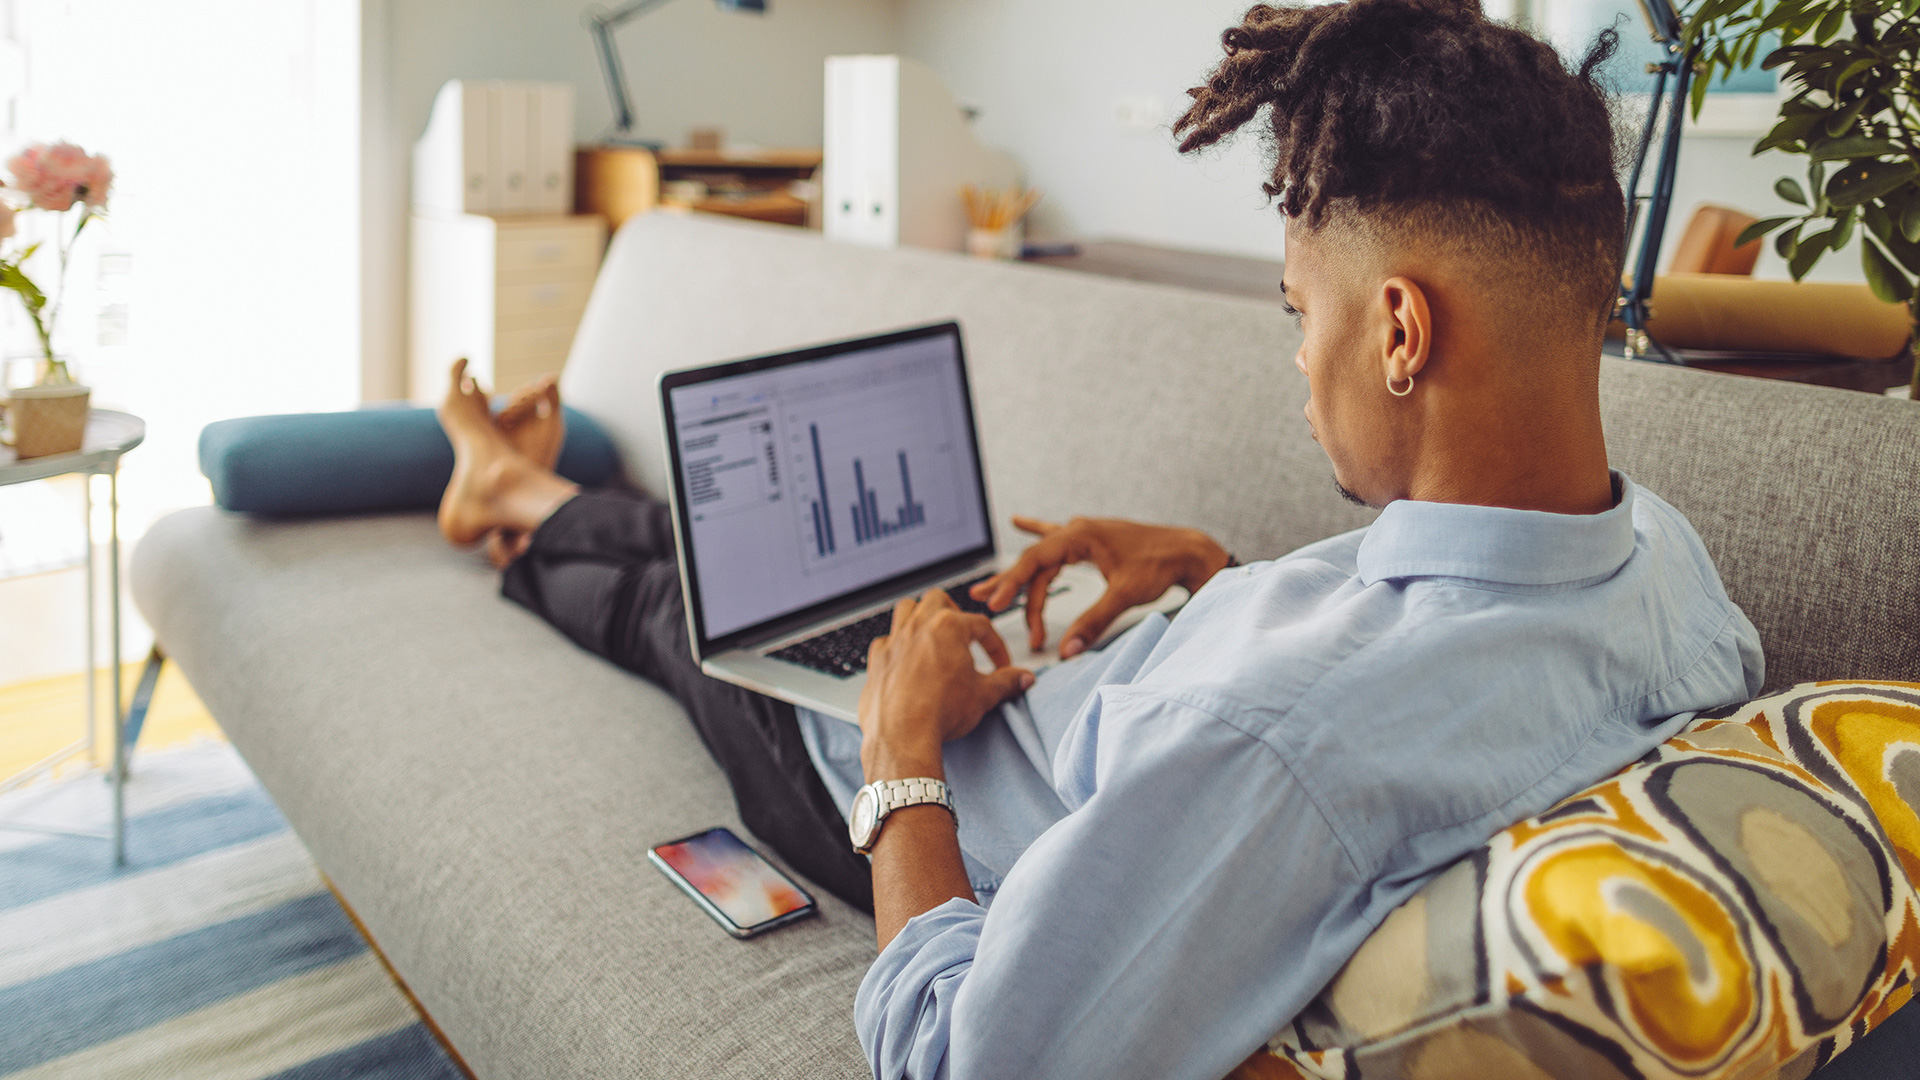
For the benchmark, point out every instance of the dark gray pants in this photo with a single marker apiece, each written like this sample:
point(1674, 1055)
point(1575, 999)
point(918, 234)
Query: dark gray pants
point(602, 570)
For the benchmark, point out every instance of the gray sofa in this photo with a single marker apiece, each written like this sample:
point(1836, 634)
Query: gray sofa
point(483, 793)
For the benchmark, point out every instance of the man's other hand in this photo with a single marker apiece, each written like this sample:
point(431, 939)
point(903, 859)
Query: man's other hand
point(1140, 562)
point(923, 689)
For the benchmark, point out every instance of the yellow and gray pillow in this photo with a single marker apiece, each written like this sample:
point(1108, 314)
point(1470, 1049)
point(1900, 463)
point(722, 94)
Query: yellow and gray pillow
point(1739, 901)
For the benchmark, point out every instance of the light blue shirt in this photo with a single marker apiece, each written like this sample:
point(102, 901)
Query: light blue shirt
point(1179, 841)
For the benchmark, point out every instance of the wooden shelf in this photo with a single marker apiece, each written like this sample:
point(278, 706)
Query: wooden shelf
point(799, 158)
point(774, 206)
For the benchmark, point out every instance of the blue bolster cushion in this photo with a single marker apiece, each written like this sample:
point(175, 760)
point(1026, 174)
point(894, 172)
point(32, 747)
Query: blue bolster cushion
point(378, 458)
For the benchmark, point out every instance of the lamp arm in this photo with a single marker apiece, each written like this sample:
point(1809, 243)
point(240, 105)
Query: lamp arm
point(1634, 302)
point(601, 23)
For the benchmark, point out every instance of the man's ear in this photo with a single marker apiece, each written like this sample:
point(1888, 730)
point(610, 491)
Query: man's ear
point(1410, 326)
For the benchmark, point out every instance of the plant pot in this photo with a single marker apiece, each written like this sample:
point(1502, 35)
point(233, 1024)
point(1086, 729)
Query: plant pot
point(49, 419)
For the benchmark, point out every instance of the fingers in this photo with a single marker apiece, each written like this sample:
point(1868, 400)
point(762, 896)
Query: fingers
point(1093, 622)
point(903, 613)
point(1047, 555)
point(1005, 585)
point(1004, 684)
point(1037, 608)
point(981, 628)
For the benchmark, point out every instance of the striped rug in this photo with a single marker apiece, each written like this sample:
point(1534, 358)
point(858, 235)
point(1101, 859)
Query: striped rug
point(216, 953)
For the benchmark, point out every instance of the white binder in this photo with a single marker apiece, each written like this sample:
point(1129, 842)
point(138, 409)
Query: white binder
point(495, 147)
point(897, 153)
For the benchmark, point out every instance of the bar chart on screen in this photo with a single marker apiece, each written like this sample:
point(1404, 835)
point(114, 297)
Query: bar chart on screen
point(863, 514)
point(870, 472)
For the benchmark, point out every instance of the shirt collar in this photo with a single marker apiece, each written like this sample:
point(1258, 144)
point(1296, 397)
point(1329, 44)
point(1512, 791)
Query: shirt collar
point(1498, 545)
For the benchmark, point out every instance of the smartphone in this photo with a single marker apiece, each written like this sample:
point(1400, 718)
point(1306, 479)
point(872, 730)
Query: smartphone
point(743, 892)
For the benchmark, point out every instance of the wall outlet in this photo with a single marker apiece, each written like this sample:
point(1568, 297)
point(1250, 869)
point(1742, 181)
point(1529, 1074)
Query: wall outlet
point(1139, 115)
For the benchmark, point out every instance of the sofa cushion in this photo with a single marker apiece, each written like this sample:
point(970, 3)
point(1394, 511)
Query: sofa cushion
point(483, 793)
point(1099, 396)
point(1742, 898)
point(359, 461)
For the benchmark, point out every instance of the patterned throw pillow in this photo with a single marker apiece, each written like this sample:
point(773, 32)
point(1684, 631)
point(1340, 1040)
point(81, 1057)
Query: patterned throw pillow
point(1739, 903)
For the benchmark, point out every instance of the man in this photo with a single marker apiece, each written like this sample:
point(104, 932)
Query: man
point(1239, 795)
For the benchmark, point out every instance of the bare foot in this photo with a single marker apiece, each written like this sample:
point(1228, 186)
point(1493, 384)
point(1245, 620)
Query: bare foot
point(533, 422)
point(483, 461)
point(506, 545)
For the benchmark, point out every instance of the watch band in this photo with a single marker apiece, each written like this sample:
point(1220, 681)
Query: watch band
point(874, 802)
point(896, 794)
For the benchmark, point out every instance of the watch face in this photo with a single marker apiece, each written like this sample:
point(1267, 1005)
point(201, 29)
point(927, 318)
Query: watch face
point(860, 822)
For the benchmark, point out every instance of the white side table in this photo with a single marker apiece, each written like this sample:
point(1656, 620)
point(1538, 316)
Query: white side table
point(109, 435)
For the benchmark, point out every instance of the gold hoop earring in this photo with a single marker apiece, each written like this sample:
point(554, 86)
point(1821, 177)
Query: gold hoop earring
point(1400, 393)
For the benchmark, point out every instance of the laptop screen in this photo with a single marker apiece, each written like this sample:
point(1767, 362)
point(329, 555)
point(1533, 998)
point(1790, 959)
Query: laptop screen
point(807, 478)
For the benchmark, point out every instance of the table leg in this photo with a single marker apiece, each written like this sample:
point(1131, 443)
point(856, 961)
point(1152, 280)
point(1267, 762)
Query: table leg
point(119, 718)
point(93, 646)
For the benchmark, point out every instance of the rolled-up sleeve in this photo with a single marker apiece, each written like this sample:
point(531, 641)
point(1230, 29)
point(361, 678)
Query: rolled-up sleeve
point(904, 1008)
point(1169, 926)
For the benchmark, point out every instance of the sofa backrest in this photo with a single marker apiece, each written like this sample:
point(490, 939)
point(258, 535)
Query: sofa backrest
point(1105, 397)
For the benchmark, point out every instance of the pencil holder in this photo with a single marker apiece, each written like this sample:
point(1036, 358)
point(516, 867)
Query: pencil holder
point(1003, 243)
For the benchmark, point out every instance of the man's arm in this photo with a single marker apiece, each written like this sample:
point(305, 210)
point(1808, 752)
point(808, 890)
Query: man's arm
point(922, 692)
point(1167, 927)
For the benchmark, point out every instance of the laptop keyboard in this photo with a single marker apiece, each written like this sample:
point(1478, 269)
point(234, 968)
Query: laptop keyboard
point(842, 652)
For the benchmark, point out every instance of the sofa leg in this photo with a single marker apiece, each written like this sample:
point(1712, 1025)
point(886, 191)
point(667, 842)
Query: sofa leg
point(142, 701)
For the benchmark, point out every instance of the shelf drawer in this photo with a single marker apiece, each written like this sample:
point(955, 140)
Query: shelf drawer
point(510, 347)
point(510, 375)
point(545, 254)
point(554, 302)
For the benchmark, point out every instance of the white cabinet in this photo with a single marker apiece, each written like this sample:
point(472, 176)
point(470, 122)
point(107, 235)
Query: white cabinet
point(507, 293)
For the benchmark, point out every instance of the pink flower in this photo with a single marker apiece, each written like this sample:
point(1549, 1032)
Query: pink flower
point(6, 220)
point(58, 175)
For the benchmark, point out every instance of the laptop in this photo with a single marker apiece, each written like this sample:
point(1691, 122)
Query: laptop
point(813, 489)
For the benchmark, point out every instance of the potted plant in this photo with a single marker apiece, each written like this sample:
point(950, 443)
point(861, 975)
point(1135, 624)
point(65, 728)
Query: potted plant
point(1854, 111)
point(65, 183)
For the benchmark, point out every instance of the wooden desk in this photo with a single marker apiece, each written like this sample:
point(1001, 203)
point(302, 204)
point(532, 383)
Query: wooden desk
point(618, 182)
point(753, 185)
point(1259, 279)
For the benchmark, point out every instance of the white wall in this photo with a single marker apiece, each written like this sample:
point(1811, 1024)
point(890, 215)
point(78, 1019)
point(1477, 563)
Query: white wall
point(1049, 76)
point(688, 64)
point(1722, 169)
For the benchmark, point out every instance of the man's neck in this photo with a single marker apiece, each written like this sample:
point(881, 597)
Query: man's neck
point(1537, 460)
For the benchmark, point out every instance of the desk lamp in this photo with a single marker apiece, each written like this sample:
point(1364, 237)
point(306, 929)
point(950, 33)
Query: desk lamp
point(601, 23)
point(1676, 65)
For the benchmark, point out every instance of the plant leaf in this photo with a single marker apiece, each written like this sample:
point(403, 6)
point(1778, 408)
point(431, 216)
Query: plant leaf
point(1790, 129)
point(1851, 146)
point(1842, 231)
point(1910, 224)
point(12, 277)
point(1860, 181)
point(1830, 24)
point(1855, 68)
point(1759, 229)
point(1885, 279)
point(1786, 241)
point(1877, 220)
point(1840, 123)
point(1807, 253)
point(1789, 189)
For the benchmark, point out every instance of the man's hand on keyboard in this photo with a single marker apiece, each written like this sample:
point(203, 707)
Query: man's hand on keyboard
point(1140, 562)
point(923, 689)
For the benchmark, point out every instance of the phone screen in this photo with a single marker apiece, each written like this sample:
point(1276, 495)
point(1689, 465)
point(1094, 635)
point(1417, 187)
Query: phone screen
point(733, 880)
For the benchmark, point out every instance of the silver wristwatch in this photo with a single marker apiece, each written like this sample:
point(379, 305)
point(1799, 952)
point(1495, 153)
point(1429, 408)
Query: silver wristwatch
point(872, 804)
